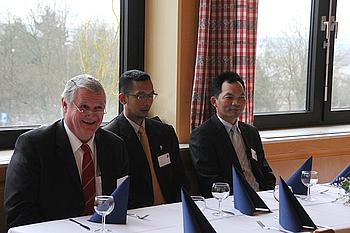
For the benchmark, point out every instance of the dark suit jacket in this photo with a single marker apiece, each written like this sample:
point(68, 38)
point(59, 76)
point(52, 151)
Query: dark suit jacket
point(162, 140)
point(42, 180)
point(213, 155)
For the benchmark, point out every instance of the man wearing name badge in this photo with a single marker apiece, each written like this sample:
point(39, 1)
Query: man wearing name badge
point(56, 171)
point(156, 170)
point(223, 141)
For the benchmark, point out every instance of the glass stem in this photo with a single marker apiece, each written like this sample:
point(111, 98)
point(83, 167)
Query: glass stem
point(308, 192)
point(220, 207)
point(103, 223)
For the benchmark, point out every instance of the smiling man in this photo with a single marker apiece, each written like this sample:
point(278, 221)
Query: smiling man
point(56, 171)
point(156, 170)
point(223, 141)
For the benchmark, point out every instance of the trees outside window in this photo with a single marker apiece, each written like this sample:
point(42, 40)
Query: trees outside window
point(290, 86)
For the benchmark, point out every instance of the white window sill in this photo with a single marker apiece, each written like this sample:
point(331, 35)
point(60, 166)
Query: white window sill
point(299, 134)
point(307, 133)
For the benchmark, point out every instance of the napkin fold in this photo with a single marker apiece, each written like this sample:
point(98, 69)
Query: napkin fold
point(246, 199)
point(118, 215)
point(193, 219)
point(292, 216)
point(295, 179)
point(344, 173)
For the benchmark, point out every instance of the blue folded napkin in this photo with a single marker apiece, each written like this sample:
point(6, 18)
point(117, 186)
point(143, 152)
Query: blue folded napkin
point(292, 215)
point(193, 219)
point(295, 180)
point(344, 173)
point(246, 199)
point(118, 215)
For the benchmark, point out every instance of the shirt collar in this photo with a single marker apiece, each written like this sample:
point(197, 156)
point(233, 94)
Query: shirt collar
point(75, 142)
point(228, 126)
point(135, 126)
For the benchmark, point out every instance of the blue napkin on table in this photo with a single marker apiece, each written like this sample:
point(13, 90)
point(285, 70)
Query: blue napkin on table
point(344, 173)
point(118, 215)
point(193, 219)
point(246, 199)
point(295, 180)
point(292, 215)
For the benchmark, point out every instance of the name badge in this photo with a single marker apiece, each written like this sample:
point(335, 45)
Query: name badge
point(164, 160)
point(254, 155)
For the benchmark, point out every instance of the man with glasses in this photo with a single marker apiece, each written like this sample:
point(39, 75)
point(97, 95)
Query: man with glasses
point(156, 170)
point(223, 141)
point(56, 171)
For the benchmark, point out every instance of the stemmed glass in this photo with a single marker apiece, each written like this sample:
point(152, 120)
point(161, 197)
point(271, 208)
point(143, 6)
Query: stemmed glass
point(200, 202)
point(276, 194)
point(103, 206)
point(309, 178)
point(220, 191)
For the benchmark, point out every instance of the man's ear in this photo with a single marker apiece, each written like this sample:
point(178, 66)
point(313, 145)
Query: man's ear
point(213, 101)
point(64, 104)
point(122, 98)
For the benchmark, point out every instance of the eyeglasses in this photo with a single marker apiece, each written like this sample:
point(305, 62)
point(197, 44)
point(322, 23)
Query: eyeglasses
point(144, 96)
point(85, 110)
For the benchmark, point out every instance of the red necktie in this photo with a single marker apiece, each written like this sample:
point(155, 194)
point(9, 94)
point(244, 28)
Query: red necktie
point(88, 180)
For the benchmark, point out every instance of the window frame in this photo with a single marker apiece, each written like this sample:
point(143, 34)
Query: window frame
point(132, 30)
point(317, 111)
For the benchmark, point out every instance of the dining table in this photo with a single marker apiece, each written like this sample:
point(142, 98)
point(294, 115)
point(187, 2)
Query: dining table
point(327, 210)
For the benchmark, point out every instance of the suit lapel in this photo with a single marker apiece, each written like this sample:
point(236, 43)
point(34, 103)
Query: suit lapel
point(65, 153)
point(244, 134)
point(225, 142)
point(126, 130)
point(153, 139)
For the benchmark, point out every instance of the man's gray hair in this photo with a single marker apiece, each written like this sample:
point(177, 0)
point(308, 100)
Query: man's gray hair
point(81, 81)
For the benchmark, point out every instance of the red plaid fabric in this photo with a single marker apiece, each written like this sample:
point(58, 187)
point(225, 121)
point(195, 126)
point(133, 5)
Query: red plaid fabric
point(226, 42)
point(88, 180)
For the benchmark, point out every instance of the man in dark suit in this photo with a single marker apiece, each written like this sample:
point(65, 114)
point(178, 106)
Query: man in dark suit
point(56, 171)
point(156, 170)
point(223, 141)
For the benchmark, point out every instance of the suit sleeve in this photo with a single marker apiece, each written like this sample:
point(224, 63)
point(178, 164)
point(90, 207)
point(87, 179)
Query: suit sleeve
point(204, 158)
point(22, 185)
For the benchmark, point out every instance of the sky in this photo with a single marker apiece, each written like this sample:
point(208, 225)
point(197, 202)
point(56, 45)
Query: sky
point(278, 16)
point(79, 10)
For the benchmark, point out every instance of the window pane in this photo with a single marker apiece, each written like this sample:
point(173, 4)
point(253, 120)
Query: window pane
point(282, 55)
point(341, 67)
point(43, 44)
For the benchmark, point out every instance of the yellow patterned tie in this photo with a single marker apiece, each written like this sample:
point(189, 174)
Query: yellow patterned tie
point(157, 193)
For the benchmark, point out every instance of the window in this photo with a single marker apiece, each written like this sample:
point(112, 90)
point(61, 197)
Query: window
point(44, 43)
point(291, 82)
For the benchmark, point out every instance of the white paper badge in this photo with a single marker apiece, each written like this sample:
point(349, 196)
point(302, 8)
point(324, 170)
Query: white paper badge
point(164, 160)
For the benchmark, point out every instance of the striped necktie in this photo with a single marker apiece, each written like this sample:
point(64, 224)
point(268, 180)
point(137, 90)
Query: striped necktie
point(239, 147)
point(157, 193)
point(88, 180)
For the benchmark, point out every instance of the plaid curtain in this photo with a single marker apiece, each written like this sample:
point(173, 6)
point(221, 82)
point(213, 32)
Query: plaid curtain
point(226, 42)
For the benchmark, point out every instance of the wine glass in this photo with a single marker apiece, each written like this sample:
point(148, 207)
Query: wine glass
point(276, 193)
point(220, 191)
point(200, 202)
point(309, 178)
point(103, 206)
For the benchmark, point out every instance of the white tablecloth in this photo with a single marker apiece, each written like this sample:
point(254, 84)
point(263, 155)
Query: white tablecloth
point(168, 218)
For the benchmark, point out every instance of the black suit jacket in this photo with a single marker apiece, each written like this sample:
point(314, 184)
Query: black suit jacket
point(42, 180)
point(213, 155)
point(162, 140)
